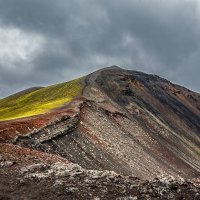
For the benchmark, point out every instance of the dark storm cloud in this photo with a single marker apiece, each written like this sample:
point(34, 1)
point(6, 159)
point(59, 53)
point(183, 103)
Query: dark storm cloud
point(74, 37)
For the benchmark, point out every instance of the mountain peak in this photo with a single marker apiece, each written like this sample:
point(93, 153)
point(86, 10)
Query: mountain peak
point(112, 67)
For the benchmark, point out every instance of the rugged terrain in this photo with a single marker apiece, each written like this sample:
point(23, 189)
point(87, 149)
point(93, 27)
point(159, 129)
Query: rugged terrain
point(121, 134)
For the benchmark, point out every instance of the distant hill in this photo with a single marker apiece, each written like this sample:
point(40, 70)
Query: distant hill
point(35, 101)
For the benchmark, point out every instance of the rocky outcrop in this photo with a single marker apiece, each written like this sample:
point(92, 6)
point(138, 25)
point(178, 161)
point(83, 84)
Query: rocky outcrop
point(36, 175)
point(60, 127)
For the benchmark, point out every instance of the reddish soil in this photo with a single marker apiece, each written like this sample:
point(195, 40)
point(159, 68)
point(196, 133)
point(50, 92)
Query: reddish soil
point(12, 128)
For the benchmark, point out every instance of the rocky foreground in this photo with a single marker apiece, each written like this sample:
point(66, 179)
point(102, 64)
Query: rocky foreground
point(29, 174)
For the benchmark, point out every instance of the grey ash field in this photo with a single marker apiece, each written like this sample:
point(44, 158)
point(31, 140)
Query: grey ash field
point(126, 135)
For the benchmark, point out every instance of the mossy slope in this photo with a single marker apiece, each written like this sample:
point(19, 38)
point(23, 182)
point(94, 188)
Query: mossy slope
point(40, 101)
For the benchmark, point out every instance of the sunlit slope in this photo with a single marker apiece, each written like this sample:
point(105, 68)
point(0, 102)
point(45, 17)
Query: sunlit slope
point(40, 101)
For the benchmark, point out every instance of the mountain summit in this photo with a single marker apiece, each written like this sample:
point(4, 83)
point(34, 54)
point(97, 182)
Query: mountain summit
point(132, 123)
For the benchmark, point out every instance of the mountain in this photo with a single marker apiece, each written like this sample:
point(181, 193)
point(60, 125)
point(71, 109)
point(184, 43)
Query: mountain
point(119, 122)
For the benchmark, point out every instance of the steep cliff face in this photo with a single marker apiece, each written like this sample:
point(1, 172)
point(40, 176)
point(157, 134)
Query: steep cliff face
point(126, 121)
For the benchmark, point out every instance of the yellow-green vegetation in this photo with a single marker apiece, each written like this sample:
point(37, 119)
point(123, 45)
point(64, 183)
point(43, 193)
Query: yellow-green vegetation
point(39, 101)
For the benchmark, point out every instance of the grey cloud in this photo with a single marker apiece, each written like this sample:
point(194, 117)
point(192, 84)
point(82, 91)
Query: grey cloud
point(81, 36)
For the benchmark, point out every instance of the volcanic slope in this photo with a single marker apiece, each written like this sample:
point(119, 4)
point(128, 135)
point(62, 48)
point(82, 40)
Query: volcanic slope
point(130, 122)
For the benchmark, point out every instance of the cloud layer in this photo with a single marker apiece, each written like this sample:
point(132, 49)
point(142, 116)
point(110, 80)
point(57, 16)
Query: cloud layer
point(48, 41)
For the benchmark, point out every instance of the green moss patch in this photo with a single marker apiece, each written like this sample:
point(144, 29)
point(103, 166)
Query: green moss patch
point(39, 101)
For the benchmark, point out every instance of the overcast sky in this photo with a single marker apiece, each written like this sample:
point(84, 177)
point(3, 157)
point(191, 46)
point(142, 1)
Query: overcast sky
point(43, 42)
